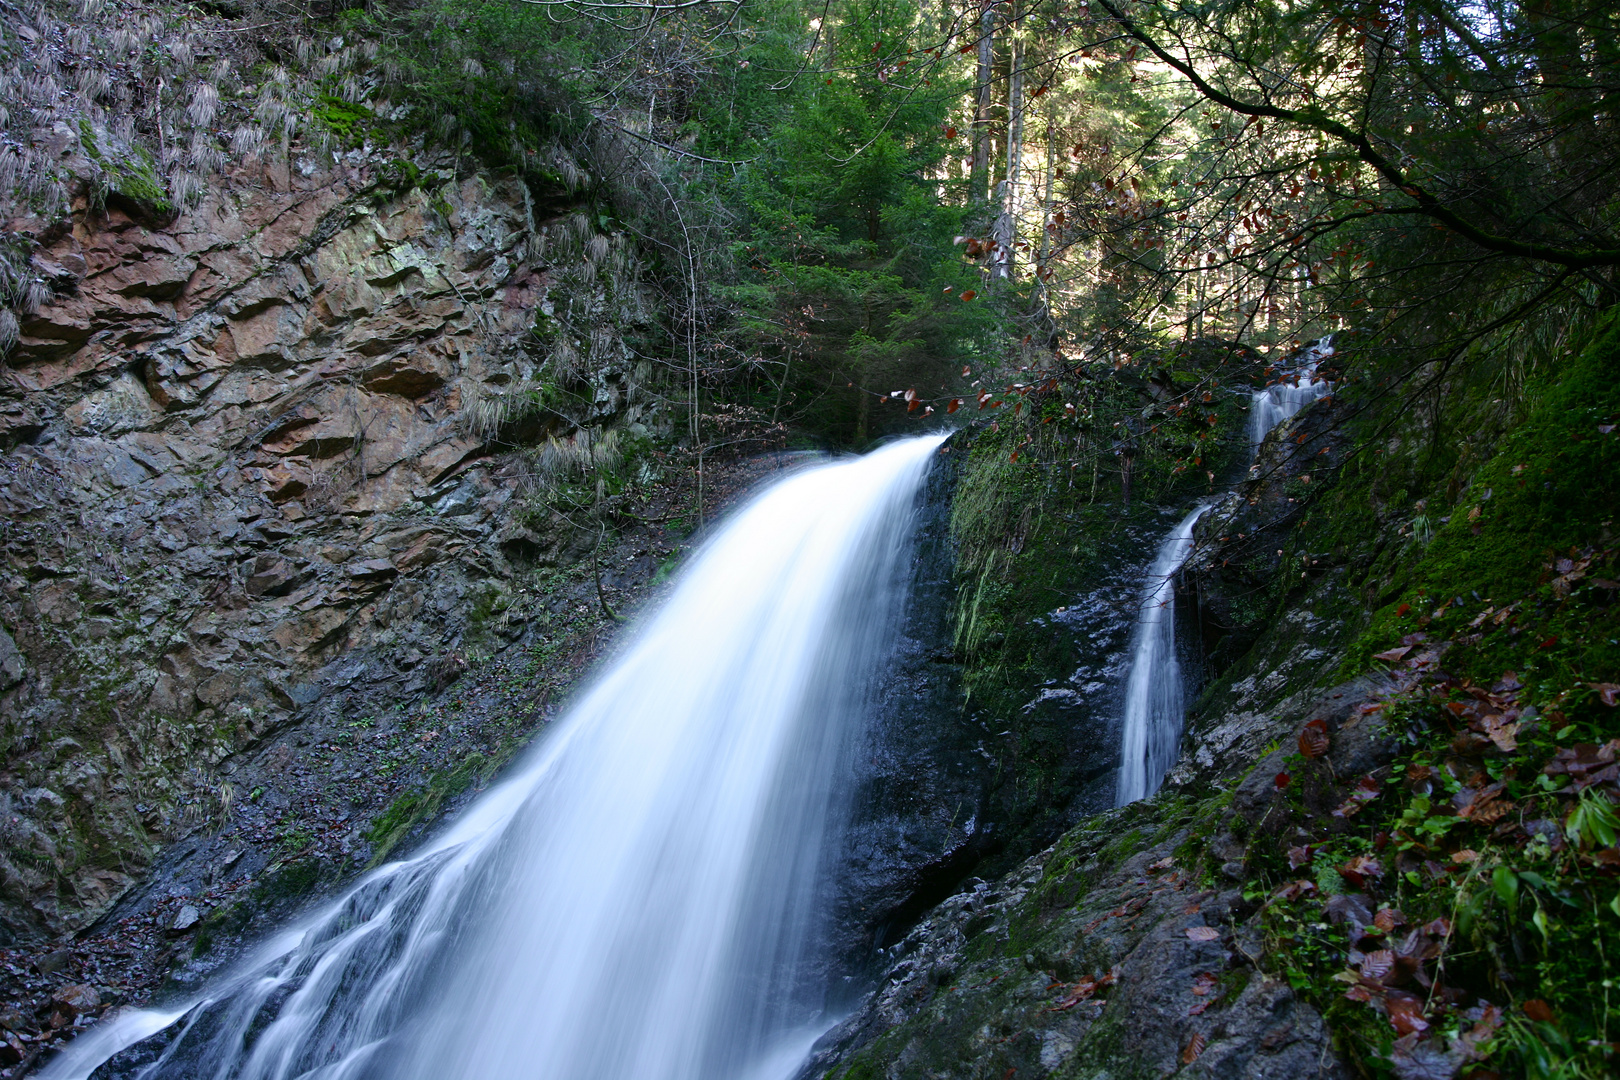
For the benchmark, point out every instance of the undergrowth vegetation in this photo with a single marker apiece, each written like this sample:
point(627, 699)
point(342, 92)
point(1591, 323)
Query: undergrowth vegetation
point(1457, 909)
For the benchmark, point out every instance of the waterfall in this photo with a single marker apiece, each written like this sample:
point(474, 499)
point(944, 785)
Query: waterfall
point(1154, 707)
point(1154, 691)
point(1290, 393)
point(639, 900)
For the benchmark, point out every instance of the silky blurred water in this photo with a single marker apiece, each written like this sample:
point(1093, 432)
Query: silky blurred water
point(1286, 397)
point(640, 900)
point(1155, 690)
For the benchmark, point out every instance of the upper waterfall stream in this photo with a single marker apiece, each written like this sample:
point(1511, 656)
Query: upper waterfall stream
point(639, 900)
point(1289, 394)
point(1155, 690)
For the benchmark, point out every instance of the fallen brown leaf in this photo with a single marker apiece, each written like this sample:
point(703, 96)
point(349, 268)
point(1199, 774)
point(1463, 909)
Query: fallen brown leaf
point(1365, 791)
point(1359, 870)
point(1417, 1058)
point(1313, 739)
point(1295, 889)
point(1586, 764)
point(1405, 1011)
point(1376, 964)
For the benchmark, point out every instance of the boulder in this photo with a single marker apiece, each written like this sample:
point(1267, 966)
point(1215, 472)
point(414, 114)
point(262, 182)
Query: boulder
point(76, 1000)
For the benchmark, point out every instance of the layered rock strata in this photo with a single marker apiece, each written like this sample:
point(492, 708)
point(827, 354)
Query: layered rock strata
point(255, 456)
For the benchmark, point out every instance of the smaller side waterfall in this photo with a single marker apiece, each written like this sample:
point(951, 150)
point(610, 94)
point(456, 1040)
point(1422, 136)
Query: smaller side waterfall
point(1154, 693)
point(1154, 706)
point(1291, 393)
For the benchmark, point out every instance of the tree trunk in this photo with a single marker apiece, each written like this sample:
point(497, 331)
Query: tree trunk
point(1046, 205)
point(1006, 234)
point(981, 116)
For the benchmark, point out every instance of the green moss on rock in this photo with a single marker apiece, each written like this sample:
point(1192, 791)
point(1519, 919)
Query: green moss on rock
point(421, 804)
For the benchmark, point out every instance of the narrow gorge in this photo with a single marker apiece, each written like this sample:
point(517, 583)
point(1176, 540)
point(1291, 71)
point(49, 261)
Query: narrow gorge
point(728, 541)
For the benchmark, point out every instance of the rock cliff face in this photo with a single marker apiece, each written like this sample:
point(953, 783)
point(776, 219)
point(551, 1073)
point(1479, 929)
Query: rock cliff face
point(257, 467)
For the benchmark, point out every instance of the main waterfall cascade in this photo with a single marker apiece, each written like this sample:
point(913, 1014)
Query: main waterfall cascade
point(1155, 707)
point(640, 900)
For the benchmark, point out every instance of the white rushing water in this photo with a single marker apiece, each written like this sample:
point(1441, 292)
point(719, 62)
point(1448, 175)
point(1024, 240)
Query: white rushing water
point(1291, 393)
point(1155, 707)
point(639, 900)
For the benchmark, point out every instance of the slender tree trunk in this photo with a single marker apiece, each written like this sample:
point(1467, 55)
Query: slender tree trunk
point(1006, 234)
point(981, 116)
point(1042, 291)
point(781, 387)
point(1203, 293)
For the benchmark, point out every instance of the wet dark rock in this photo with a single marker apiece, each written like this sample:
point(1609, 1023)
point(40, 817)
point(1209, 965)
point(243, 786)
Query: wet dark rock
point(272, 575)
point(12, 664)
point(1242, 540)
point(54, 961)
point(75, 1000)
point(130, 1063)
point(1104, 980)
point(919, 785)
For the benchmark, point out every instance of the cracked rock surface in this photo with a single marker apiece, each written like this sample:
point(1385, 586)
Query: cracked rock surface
point(252, 471)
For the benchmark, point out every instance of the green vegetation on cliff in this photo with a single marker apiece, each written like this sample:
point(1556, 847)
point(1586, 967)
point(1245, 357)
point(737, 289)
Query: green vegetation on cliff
point(1493, 827)
point(1426, 848)
point(722, 227)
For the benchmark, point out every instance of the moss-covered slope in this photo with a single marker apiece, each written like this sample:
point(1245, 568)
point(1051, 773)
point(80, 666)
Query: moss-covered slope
point(1396, 806)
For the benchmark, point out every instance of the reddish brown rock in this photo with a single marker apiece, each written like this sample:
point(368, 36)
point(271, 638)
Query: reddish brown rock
point(239, 462)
